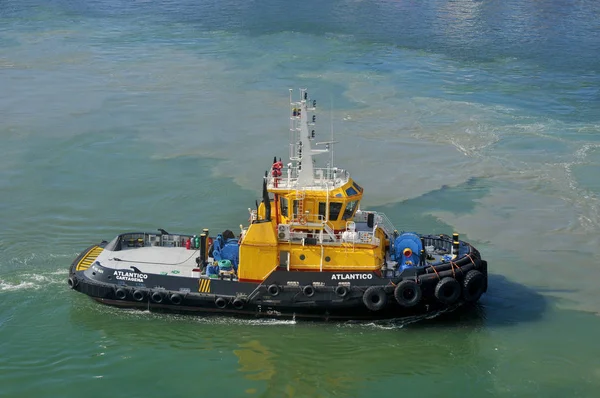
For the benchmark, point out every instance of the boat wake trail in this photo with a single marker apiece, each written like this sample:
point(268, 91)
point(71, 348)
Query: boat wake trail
point(32, 281)
point(398, 323)
point(8, 286)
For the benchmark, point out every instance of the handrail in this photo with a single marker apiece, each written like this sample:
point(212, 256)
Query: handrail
point(330, 231)
point(385, 223)
point(322, 179)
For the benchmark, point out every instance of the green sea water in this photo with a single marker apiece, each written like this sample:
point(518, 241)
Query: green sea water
point(471, 116)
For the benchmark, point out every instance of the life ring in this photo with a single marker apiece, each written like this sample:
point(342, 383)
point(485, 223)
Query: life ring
point(176, 299)
point(220, 302)
point(138, 295)
point(447, 290)
point(302, 219)
point(341, 291)
point(121, 294)
point(308, 290)
point(473, 286)
point(408, 293)
point(273, 290)
point(238, 303)
point(157, 297)
point(375, 298)
point(72, 282)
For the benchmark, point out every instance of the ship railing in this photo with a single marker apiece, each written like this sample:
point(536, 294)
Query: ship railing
point(301, 223)
point(366, 237)
point(314, 225)
point(352, 235)
point(384, 222)
point(134, 240)
point(323, 178)
point(330, 232)
point(379, 219)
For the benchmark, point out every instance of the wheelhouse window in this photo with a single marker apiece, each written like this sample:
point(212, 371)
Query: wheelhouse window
point(283, 205)
point(350, 208)
point(351, 191)
point(334, 210)
point(322, 207)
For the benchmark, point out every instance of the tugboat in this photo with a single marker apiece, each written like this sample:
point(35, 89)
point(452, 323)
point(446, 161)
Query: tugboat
point(309, 250)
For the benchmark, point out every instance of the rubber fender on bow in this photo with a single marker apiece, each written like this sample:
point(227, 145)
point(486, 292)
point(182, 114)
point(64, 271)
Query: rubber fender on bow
point(157, 297)
point(220, 302)
point(239, 303)
point(447, 290)
point(72, 282)
point(433, 277)
point(341, 291)
point(273, 290)
point(138, 295)
point(308, 290)
point(408, 293)
point(375, 298)
point(121, 294)
point(176, 299)
point(473, 286)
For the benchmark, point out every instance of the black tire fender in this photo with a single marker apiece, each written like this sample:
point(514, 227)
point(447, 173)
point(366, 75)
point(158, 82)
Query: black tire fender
point(308, 290)
point(408, 293)
point(176, 299)
point(72, 282)
point(138, 295)
point(473, 286)
point(239, 303)
point(274, 290)
point(447, 290)
point(220, 302)
point(341, 291)
point(157, 297)
point(375, 298)
point(121, 294)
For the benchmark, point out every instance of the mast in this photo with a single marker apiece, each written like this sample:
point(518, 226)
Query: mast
point(302, 133)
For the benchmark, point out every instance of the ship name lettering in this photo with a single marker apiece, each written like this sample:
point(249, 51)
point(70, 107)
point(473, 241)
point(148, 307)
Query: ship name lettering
point(344, 277)
point(130, 276)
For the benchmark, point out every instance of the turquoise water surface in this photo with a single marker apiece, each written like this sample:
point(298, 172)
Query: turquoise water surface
point(480, 117)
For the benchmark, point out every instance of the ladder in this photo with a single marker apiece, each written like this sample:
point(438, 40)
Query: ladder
point(300, 195)
point(329, 231)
